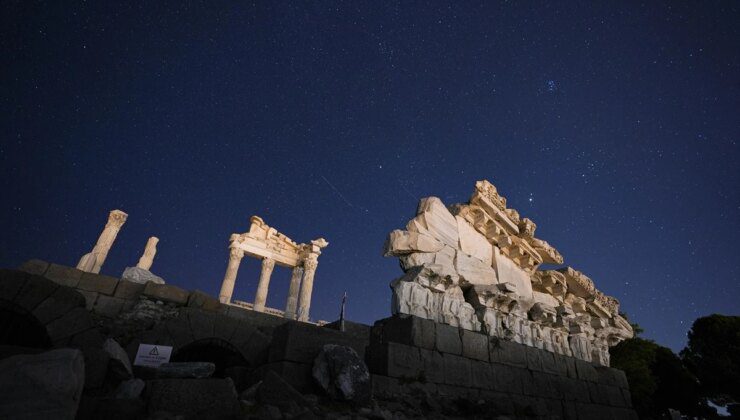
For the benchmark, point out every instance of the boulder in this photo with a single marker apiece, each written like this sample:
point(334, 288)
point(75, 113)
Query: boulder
point(140, 275)
point(342, 374)
point(42, 386)
point(119, 364)
point(186, 370)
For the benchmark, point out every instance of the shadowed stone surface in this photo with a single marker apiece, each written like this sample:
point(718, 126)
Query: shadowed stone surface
point(42, 386)
point(342, 374)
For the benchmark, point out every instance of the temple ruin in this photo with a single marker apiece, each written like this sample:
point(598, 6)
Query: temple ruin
point(272, 247)
point(475, 266)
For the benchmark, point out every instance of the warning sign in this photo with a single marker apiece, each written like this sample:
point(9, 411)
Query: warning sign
point(152, 355)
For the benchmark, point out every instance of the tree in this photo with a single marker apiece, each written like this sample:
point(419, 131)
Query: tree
point(713, 355)
point(658, 379)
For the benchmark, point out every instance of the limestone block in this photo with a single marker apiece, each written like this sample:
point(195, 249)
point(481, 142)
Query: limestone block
point(42, 386)
point(166, 293)
point(448, 339)
point(34, 266)
point(202, 300)
point(108, 306)
point(507, 352)
point(434, 219)
point(482, 375)
point(98, 283)
point(73, 322)
point(473, 243)
point(413, 299)
point(140, 275)
point(197, 370)
point(120, 365)
point(508, 272)
point(57, 304)
point(441, 262)
point(474, 345)
point(508, 378)
point(394, 360)
point(457, 370)
point(474, 271)
point(433, 365)
point(212, 398)
point(34, 291)
point(402, 242)
point(65, 276)
point(409, 330)
point(128, 289)
point(457, 312)
point(545, 298)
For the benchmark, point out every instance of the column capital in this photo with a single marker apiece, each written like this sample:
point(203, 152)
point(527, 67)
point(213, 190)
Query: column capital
point(236, 253)
point(268, 264)
point(117, 218)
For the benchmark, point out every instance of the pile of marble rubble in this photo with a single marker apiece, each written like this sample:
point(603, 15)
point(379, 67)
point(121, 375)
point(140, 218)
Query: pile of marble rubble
point(475, 266)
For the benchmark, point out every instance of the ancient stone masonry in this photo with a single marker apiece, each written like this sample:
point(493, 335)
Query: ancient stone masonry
point(475, 266)
point(272, 247)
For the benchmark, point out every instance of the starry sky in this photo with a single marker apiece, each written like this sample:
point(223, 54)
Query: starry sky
point(613, 126)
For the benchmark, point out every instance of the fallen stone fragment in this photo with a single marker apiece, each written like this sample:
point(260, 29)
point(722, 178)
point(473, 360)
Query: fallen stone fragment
point(275, 391)
point(129, 389)
point(120, 365)
point(140, 275)
point(196, 370)
point(42, 386)
point(342, 374)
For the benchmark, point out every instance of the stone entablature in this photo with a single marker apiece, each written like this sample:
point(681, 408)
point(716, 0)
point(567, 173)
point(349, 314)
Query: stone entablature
point(475, 266)
point(272, 247)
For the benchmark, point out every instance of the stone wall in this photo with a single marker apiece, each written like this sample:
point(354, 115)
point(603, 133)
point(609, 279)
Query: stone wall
point(165, 314)
point(411, 357)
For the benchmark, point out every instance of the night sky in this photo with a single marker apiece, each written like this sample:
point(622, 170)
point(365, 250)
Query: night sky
point(615, 127)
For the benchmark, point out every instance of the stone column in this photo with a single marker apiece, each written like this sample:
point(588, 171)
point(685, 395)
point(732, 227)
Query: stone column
point(147, 258)
point(93, 261)
point(304, 299)
point(227, 286)
point(295, 285)
point(261, 296)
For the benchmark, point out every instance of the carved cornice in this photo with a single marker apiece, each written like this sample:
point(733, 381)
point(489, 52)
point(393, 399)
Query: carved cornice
point(578, 283)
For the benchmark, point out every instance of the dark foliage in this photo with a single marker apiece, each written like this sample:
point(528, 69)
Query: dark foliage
point(658, 380)
point(713, 355)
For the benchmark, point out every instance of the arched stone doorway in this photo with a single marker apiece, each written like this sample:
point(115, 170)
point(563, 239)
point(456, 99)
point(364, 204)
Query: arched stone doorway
point(19, 328)
point(39, 313)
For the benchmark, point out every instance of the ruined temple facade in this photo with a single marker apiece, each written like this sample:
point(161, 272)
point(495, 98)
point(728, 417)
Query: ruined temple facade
point(476, 266)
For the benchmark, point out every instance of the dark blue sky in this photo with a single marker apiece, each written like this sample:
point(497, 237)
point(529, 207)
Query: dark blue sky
point(614, 127)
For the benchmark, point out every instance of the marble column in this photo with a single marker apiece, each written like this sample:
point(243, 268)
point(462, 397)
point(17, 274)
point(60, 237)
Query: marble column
point(227, 286)
point(261, 296)
point(295, 285)
point(304, 298)
point(147, 258)
point(93, 261)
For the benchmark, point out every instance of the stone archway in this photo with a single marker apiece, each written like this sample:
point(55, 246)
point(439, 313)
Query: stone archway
point(54, 315)
point(193, 325)
point(20, 328)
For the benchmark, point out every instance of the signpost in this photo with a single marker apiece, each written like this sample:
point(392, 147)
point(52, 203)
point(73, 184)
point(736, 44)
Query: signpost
point(152, 355)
